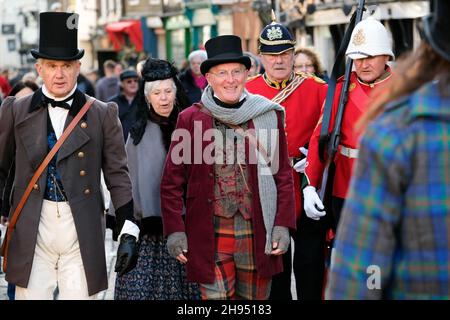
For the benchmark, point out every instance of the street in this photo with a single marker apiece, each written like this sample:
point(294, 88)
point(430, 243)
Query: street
point(110, 248)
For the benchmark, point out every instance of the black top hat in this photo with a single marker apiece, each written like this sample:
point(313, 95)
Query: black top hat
point(224, 49)
point(58, 37)
point(437, 27)
point(275, 38)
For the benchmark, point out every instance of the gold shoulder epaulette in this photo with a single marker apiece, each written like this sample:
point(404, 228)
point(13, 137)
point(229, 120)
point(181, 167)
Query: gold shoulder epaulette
point(253, 77)
point(317, 79)
point(310, 76)
point(302, 74)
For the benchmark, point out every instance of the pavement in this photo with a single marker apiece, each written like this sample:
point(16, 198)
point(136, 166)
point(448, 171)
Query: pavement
point(111, 251)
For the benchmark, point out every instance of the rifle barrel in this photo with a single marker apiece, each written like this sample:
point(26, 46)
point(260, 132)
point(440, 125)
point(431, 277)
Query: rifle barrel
point(335, 136)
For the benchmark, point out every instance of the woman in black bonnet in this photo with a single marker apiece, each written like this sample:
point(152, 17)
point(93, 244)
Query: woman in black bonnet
point(157, 275)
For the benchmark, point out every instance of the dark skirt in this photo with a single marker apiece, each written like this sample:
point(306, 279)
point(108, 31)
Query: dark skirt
point(157, 276)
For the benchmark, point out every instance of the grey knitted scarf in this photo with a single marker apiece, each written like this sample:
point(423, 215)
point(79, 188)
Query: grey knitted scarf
point(262, 111)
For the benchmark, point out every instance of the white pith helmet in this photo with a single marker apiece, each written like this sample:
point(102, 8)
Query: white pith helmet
point(369, 38)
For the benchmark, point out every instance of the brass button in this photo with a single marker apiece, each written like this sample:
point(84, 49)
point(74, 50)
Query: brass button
point(80, 154)
point(87, 191)
point(82, 173)
point(35, 187)
point(209, 200)
point(83, 125)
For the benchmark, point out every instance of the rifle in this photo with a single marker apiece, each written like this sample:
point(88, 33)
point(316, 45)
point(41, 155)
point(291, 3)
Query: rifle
point(331, 141)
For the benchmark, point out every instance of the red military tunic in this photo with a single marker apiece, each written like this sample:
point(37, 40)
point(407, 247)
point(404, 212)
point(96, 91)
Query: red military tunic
point(302, 108)
point(358, 99)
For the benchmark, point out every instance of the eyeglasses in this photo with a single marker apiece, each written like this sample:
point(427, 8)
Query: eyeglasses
point(235, 74)
point(131, 81)
point(305, 65)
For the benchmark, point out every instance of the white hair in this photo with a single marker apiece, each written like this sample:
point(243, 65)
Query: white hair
point(150, 85)
point(198, 53)
point(40, 61)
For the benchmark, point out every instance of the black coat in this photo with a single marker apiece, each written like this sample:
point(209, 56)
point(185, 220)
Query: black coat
point(127, 113)
point(193, 92)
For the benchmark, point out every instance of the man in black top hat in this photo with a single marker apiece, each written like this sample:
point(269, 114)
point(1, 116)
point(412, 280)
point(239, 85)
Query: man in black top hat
point(58, 240)
point(238, 213)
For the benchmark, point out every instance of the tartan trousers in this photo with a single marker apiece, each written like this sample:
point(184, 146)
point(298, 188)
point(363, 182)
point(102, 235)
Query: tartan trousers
point(235, 269)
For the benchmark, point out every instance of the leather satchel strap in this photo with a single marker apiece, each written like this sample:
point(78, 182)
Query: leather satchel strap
point(38, 173)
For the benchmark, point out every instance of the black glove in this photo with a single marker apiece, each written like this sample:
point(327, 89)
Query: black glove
point(127, 254)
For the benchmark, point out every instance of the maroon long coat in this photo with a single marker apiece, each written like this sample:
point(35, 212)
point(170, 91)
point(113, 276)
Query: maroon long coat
point(199, 179)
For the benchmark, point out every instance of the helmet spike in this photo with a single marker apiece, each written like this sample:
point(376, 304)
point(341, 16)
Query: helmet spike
point(274, 17)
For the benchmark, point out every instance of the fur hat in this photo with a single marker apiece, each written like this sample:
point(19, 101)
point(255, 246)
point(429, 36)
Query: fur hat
point(157, 69)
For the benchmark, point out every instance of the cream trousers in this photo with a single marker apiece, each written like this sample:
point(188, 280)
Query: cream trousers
point(57, 259)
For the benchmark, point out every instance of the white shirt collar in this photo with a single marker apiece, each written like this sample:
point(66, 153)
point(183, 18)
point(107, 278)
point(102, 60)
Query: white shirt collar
point(243, 96)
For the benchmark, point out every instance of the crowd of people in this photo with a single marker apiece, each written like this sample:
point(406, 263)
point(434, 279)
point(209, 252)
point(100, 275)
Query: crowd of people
point(213, 172)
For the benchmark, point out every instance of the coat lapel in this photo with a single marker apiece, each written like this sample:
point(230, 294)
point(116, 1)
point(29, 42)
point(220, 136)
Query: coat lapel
point(32, 131)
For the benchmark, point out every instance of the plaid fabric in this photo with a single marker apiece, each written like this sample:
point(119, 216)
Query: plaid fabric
point(395, 226)
point(235, 270)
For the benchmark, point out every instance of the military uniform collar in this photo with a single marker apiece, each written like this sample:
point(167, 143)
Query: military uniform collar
point(278, 85)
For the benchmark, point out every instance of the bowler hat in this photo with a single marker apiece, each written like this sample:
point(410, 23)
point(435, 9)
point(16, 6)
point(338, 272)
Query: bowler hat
point(437, 27)
point(126, 74)
point(58, 37)
point(224, 49)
